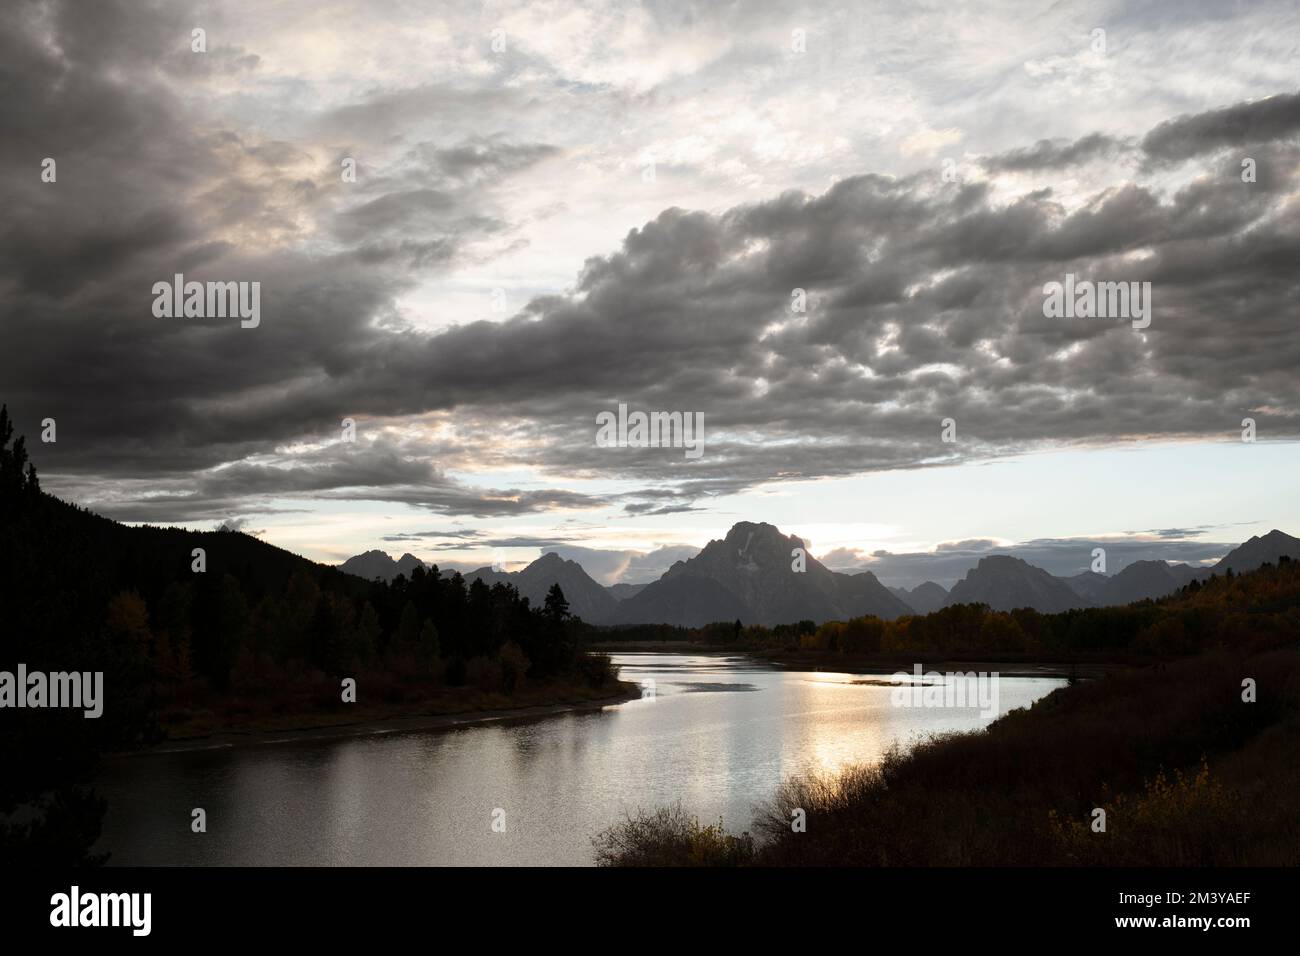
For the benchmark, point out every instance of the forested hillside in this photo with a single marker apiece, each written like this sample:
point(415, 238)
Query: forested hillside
point(241, 634)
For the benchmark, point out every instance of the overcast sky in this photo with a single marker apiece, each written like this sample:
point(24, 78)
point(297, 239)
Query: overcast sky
point(560, 207)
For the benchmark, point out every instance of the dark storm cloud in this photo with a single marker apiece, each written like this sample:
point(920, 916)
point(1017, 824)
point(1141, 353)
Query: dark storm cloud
point(509, 541)
point(1243, 124)
point(1046, 154)
point(145, 190)
point(399, 208)
point(204, 498)
point(923, 302)
point(476, 502)
point(644, 509)
point(464, 533)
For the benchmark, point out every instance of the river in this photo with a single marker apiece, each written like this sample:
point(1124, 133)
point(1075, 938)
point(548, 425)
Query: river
point(719, 733)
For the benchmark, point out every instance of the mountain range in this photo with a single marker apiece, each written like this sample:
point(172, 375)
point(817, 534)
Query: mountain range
point(923, 598)
point(587, 599)
point(378, 564)
point(748, 576)
point(758, 575)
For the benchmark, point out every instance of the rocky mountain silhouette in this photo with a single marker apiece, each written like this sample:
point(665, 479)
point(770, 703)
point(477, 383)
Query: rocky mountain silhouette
point(1145, 579)
point(587, 599)
point(1005, 583)
point(378, 564)
point(1090, 586)
point(621, 592)
point(751, 575)
point(923, 598)
point(1258, 551)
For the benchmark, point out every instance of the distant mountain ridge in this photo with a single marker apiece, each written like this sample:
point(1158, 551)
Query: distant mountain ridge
point(923, 598)
point(621, 592)
point(1005, 583)
point(750, 576)
point(1145, 579)
point(377, 564)
point(1005, 586)
point(758, 575)
point(1090, 586)
point(587, 599)
point(1260, 550)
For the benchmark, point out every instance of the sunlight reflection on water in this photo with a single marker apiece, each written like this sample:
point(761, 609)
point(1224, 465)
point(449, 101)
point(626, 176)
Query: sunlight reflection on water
point(719, 735)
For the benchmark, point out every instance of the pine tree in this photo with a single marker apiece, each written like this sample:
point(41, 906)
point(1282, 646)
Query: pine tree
point(557, 606)
point(17, 474)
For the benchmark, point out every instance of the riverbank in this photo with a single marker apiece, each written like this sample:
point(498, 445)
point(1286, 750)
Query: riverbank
point(1191, 762)
point(374, 721)
point(422, 798)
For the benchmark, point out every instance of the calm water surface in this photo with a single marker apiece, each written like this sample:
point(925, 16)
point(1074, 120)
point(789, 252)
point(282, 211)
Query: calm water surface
point(719, 734)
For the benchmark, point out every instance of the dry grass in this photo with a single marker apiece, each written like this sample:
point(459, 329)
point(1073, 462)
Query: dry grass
point(671, 837)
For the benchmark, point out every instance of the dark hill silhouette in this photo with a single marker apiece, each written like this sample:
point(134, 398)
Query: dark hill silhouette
point(253, 623)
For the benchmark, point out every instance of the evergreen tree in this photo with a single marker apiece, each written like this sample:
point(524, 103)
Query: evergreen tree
point(556, 608)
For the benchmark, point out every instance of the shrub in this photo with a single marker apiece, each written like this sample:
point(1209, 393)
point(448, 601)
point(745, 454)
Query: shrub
point(597, 670)
point(514, 665)
point(671, 837)
point(1020, 792)
point(1188, 821)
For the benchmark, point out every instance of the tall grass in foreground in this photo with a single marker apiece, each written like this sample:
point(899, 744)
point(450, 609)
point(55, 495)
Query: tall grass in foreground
point(672, 837)
point(1187, 773)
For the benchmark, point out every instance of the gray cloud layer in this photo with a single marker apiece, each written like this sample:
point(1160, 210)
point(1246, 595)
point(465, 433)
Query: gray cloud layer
point(924, 301)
